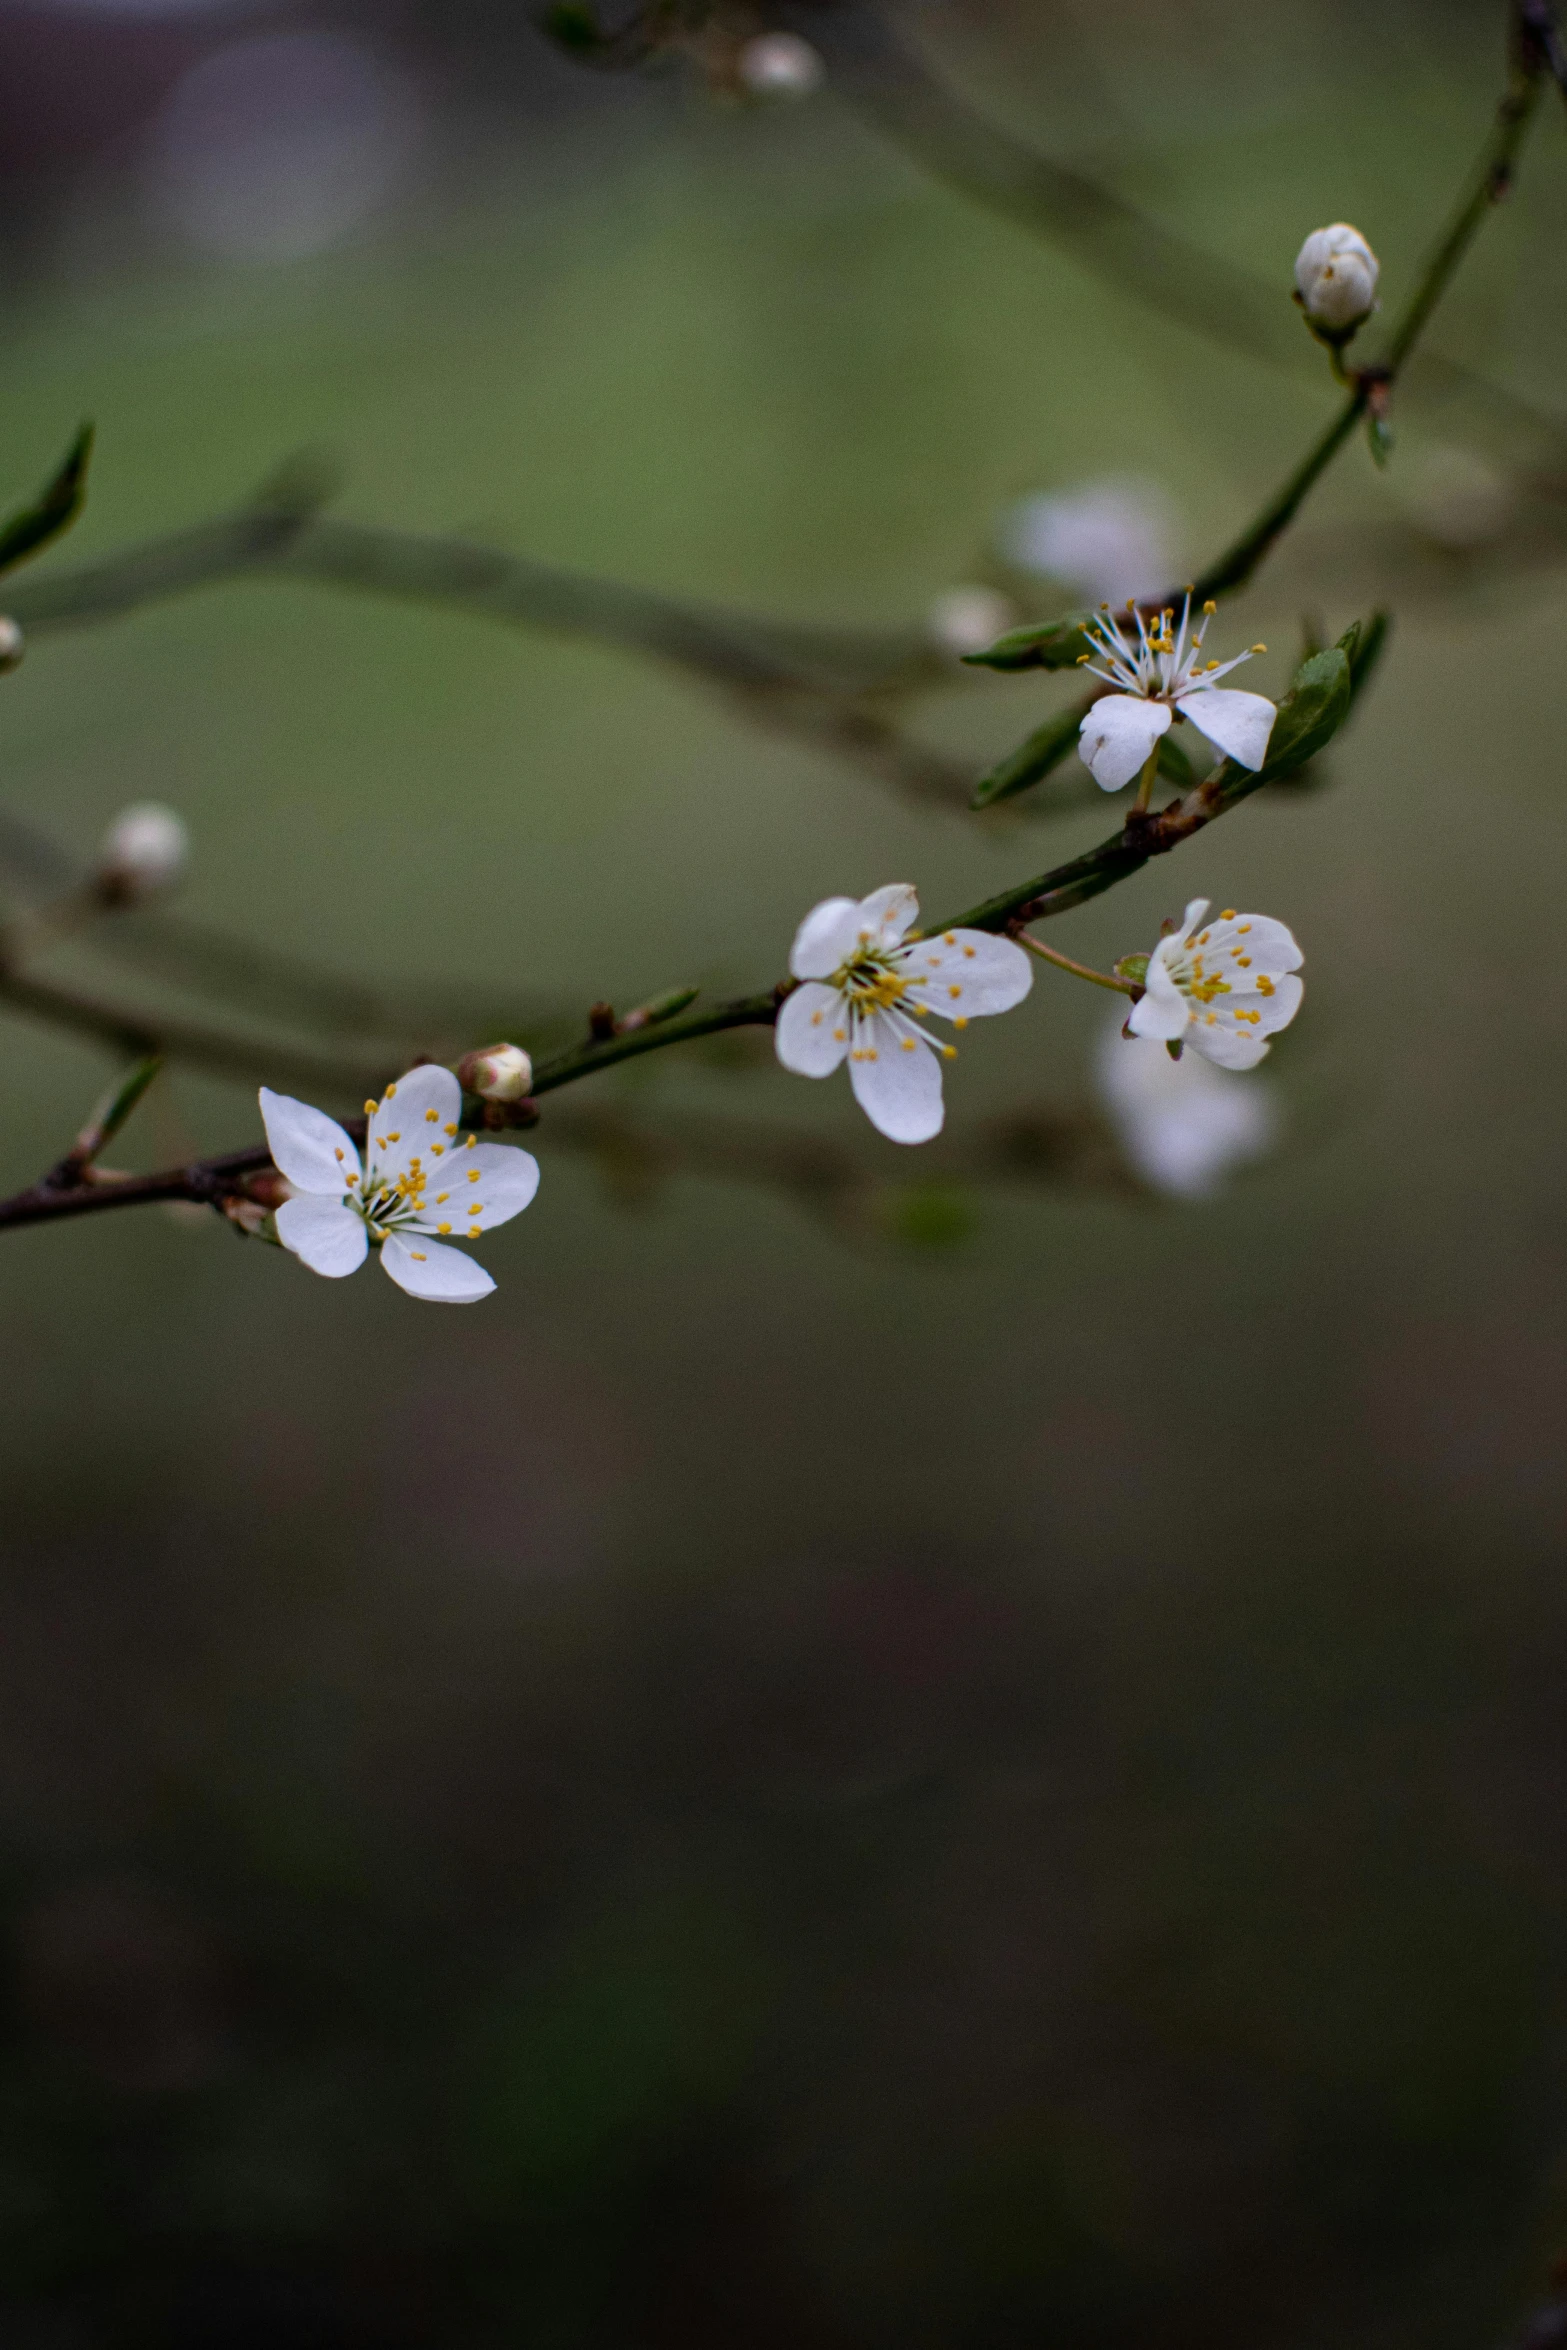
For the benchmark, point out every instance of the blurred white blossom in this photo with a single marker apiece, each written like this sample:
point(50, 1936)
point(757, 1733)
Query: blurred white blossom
point(1182, 1124)
point(418, 1182)
point(1103, 540)
point(967, 619)
point(145, 850)
point(278, 145)
point(868, 983)
point(1336, 278)
point(1223, 987)
point(781, 65)
point(1157, 677)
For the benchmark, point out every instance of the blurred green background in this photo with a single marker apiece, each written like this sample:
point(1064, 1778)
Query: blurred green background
point(763, 1787)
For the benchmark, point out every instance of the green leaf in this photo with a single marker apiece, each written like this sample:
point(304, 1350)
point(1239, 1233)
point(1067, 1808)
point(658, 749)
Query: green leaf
point(1313, 710)
point(1371, 644)
point(1174, 765)
point(1050, 644)
point(1045, 748)
point(55, 510)
point(1133, 967)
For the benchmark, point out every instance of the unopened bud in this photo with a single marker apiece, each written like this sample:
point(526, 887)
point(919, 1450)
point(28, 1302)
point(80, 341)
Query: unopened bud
point(12, 643)
point(496, 1073)
point(145, 850)
point(780, 65)
point(1336, 279)
point(969, 619)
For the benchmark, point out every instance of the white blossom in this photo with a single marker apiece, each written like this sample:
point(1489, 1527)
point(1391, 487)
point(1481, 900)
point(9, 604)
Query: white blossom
point(781, 65)
point(1223, 987)
point(1182, 1124)
point(1159, 677)
point(419, 1181)
point(1336, 278)
point(145, 850)
point(12, 642)
point(968, 619)
point(869, 981)
point(1103, 540)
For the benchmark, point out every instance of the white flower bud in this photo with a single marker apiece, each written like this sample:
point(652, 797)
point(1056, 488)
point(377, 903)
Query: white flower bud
point(1336, 278)
point(145, 850)
point(968, 619)
point(780, 65)
point(496, 1073)
point(12, 643)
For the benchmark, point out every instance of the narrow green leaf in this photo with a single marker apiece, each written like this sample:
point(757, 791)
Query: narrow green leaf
point(1369, 649)
point(1045, 748)
point(1312, 712)
point(1174, 764)
point(55, 510)
point(1050, 644)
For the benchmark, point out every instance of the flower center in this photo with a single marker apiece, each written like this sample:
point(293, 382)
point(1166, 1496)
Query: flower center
point(871, 984)
point(385, 1205)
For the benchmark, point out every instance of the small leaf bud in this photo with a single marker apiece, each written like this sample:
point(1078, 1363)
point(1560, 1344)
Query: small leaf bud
point(780, 65)
point(12, 643)
point(1336, 280)
point(496, 1073)
point(145, 850)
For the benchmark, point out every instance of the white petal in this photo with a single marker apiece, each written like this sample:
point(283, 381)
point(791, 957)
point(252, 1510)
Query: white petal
point(323, 1234)
point(965, 974)
point(887, 913)
point(812, 1034)
point(1163, 1011)
point(1231, 1048)
point(1238, 723)
point(414, 1118)
point(1182, 1123)
point(444, 1275)
point(1192, 918)
point(826, 938)
point(307, 1146)
point(477, 1187)
point(1266, 944)
point(1116, 737)
point(1274, 1011)
point(896, 1078)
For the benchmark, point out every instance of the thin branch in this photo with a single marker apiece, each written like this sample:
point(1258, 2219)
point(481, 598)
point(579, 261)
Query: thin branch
point(905, 98)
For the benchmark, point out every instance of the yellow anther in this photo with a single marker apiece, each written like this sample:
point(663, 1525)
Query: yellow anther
point(370, 1109)
point(353, 1179)
point(1226, 913)
point(1210, 606)
point(909, 1045)
point(391, 1089)
point(443, 1228)
point(949, 1052)
point(418, 1256)
point(395, 1138)
point(473, 1175)
point(1259, 648)
point(816, 1019)
point(970, 952)
point(1264, 984)
point(840, 1036)
point(337, 1154)
point(1245, 926)
point(431, 1117)
point(949, 938)
point(441, 1198)
point(960, 1023)
point(438, 1150)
